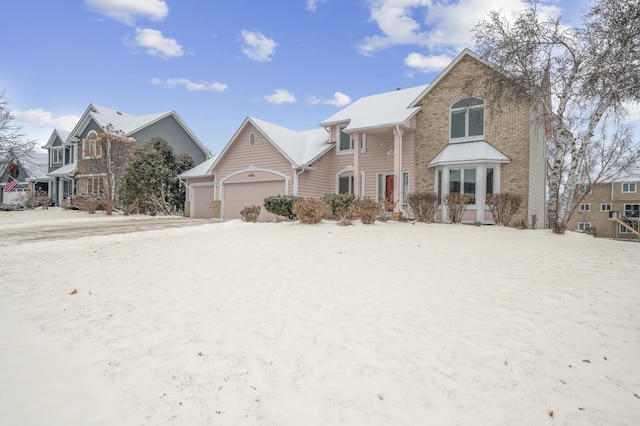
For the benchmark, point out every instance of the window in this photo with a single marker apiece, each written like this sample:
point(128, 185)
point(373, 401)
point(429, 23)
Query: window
point(345, 142)
point(93, 186)
point(623, 229)
point(56, 155)
point(584, 188)
point(252, 139)
point(90, 146)
point(467, 119)
point(489, 180)
point(584, 226)
point(463, 180)
point(363, 142)
point(605, 207)
point(632, 210)
point(405, 188)
point(345, 185)
point(629, 187)
point(585, 207)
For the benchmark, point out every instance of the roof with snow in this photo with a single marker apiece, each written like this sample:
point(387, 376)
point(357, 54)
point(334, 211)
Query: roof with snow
point(202, 169)
point(381, 110)
point(468, 152)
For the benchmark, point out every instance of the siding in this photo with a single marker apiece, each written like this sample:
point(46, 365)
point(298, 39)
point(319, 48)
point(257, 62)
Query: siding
point(537, 170)
point(171, 131)
point(240, 155)
point(315, 183)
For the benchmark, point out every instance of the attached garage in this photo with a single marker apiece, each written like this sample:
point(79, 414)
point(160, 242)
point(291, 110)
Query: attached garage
point(239, 193)
point(202, 197)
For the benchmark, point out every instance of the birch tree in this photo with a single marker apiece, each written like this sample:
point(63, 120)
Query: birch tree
point(582, 76)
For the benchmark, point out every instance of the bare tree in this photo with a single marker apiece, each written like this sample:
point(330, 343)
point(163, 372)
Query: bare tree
point(578, 75)
point(13, 143)
point(104, 158)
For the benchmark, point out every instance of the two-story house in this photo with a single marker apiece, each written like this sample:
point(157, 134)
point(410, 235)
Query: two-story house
point(68, 149)
point(438, 138)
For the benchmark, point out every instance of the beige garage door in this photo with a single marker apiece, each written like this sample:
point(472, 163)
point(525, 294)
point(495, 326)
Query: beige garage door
point(237, 196)
point(202, 198)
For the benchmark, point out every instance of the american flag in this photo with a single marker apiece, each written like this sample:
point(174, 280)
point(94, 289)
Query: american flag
point(11, 183)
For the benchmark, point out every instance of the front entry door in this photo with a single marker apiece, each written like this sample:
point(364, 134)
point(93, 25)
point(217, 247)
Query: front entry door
point(388, 191)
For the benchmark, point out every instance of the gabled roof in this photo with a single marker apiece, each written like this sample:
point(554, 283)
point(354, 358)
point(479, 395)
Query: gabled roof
point(57, 133)
point(381, 110)
point(299, 148)
point(201, 170)
point(452, 65)
point(468, 152)
point(127, 123)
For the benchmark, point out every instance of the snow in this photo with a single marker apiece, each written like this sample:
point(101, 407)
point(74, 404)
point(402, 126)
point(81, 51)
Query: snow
point(281, 323)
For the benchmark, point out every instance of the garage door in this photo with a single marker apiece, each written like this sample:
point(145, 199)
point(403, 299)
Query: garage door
point(202, 199)
point(237, 196)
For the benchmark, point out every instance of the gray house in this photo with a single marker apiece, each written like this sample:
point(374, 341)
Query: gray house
point(64, 147)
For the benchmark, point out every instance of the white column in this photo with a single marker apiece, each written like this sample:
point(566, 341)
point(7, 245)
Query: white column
point(356, 165)
point(397, 167)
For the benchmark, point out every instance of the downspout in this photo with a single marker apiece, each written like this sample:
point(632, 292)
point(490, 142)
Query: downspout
point(401, 177)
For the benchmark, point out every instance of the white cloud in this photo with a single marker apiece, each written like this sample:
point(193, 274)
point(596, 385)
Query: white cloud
point(280, 96)
point(427, 64)
point(41, 118)
point(438, 25)
point(339, 100)
point(156, 44)
point(192, 86)
point(126, 11)
point(257, 46)
point(312, 5)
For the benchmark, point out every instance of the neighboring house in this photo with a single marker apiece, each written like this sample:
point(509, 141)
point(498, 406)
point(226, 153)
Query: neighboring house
point(67, 150)
point(610, 209)
point(11, 167)
point(436, 138)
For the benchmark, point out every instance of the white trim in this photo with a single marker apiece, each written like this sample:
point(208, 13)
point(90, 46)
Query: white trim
point(585, 226)
point(467, 138)
point(190, 194)
point(347, 169)
point(608, 209)
point(339, 150)
point(628, 191)
point(363, 143)
point(251, 169)
point(585, 207)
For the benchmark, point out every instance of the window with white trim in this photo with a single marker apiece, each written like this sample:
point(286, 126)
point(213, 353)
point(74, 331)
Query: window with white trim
point(345, 185)
point(628, 187)
point(56, 155)
point(345, 141)
point(623, 229)
point(632, 210)
point(93, 186)
point(584, 226)
point(584, 188)
point(463, 180)
point(585, 207)
point(467, 120)
point(90, 146)
point(605, 207)
point(363, 142)
point(252, 139)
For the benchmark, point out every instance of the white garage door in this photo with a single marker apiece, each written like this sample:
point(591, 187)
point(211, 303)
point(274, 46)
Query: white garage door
point(202, 199)
point(237, 196)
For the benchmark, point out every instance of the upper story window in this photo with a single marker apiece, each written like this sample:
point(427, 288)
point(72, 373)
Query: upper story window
point(467, 120)
point(56, 155)
point(629, 187)
point(345, 141)
point(252, 139)
point(584, 188)
point(90, 146)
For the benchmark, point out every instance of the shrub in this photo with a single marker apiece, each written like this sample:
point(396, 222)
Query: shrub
point(424, 205)
point(310, 210)
point(281, 205)
point(386, 210)
point(250, 213)
point(339, 204)
point(86, 203)
point(366, 208)
point(456, 205)
point(503, 206)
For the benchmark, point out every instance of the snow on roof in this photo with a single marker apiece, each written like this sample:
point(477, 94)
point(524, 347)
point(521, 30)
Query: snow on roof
point(127, 123)
point(299, 147)
point(467, 152)
point(381, 110)
point(65, 170)
point(200, 170)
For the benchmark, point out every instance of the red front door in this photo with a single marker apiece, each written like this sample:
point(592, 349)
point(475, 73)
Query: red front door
point(388, 189)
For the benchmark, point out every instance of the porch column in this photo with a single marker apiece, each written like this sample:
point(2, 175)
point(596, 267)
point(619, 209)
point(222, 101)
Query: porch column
point(397, 169)
point(356, 165)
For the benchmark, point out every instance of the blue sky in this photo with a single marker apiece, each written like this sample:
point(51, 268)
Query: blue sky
point(290, 62)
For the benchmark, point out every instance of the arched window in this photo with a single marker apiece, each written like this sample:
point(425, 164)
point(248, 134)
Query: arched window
point(90, 146)
point(467, 119)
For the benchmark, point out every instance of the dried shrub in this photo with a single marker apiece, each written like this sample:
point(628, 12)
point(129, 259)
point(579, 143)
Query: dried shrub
point(503, 207)
point(86, 203)
point(281, 205)
point(310, 210)
point(339, 204)
point(386, 210)
point(424, 205)
point(456, 205)
point(367, 209)
point(250, 213)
